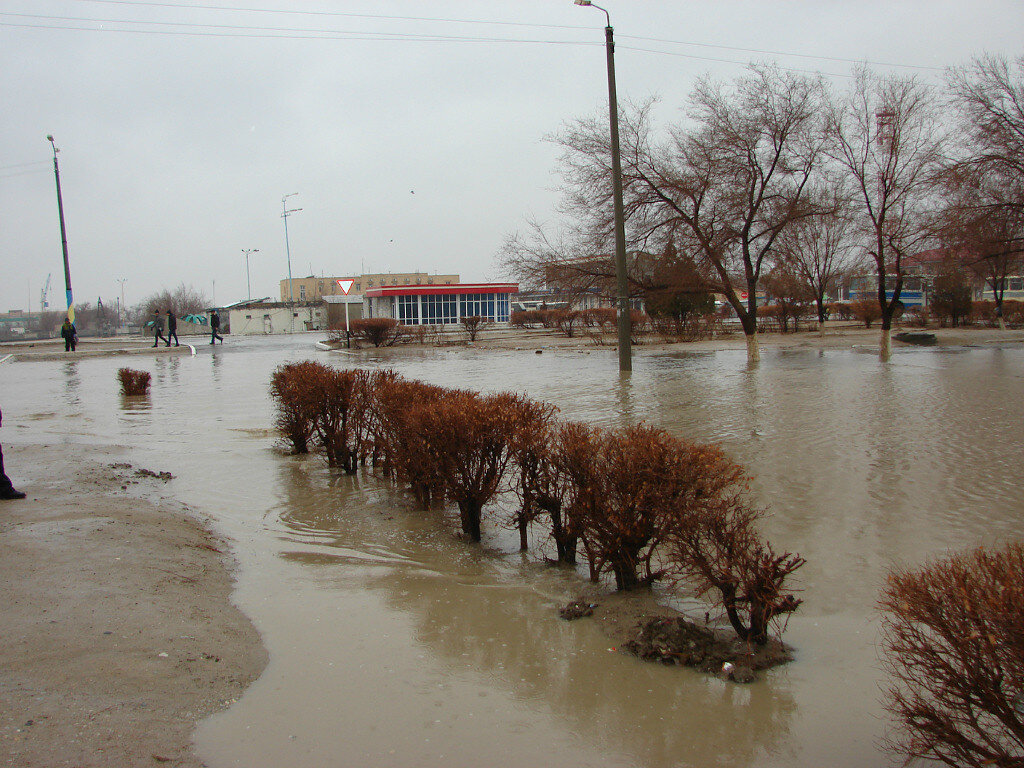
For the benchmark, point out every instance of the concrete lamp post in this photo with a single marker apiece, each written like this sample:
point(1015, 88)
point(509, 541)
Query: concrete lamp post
point(621, 283)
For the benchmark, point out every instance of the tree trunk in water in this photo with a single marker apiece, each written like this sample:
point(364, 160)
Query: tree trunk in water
point(753, 352)
point(885, 345)
point(524, 543)
point(625, 576)
point(470, 514)
point(821, 327)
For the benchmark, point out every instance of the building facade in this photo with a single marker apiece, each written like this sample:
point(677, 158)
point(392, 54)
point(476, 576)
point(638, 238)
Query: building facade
point(260, 318)
point(312, 288)
point(440, 304)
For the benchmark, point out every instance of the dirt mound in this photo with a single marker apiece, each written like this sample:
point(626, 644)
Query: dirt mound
point(674, 640)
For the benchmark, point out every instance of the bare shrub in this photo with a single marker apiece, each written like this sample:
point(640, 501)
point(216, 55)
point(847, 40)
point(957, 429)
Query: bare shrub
point(289, 388)
point(133, 382)
point(717, 548)
point(1013, 312)
point(565, 320)
point(866, 311)
point(954, 647)
point(535, 482)
point(639, 324)
point(337, 333)
point(471, 435)
point(403, 445)
point(379, 331)
point(917, 317)
point(473, 325)
point(339, 404)
point(840, 310)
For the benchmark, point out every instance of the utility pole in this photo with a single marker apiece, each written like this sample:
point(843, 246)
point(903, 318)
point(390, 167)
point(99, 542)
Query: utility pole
point(621, 283)
point(285, 213)
point(247, 251)
point(63, 234)
point(120, 317)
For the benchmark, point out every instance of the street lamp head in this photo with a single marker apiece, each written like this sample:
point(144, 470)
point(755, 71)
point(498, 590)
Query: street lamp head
point(49, 138)
point(582, 2)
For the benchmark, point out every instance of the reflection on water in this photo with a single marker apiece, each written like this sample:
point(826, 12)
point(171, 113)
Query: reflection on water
point(393, 643)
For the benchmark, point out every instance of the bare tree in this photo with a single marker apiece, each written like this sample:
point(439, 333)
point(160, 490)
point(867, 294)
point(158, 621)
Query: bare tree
point(183, 300)
point(886, 137)
point(981, 232)
point(820, 250)
point(954, 647)
point(575, 264)
point(983, 216)
point(989, 97)
point(724, 185)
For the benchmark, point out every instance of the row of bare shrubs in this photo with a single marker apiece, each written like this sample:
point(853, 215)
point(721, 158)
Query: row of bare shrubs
point(571, 322)
point(639, 503)
point(980, 312)
point(386, 331)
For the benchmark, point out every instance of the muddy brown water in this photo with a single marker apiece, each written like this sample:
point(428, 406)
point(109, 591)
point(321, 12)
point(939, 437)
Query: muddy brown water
point(393, 644)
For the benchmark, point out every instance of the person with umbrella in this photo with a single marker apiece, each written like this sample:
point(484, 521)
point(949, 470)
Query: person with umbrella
point(158, 322)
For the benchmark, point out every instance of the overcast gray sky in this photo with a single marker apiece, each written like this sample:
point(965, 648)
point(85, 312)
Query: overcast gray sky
point(412, 131)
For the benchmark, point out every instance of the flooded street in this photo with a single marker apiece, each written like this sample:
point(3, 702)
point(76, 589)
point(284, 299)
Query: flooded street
point(392, 643)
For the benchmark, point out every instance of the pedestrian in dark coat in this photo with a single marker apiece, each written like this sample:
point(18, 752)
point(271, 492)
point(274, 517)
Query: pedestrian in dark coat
point(215, 327)
point(158, 323)
point(6, 486)
point(172, 328)
point(70, 335)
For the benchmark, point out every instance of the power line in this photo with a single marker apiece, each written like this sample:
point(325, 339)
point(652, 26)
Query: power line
point(242, 31)
point(344, 14)
point(777, 53)
point(22, 173)
point(440, 20)
point(261, 28)
point(22, 165)
point(728, 61)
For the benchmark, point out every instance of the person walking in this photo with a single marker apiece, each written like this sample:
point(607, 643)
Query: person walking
point(157, 328)
point(70, 335)
point(7, 490)
point(215, 327)
point(172, 328)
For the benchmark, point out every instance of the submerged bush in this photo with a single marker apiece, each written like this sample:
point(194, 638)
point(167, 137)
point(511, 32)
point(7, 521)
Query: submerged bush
point(133, 382)
point(954, 647)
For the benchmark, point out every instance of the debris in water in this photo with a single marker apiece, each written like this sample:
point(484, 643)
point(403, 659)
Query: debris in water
point(576, 609)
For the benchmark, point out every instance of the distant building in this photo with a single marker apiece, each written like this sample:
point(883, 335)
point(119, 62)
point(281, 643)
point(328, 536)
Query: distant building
point(440, 304)
point(312, 288)
point(919, 272)
point(264, 317)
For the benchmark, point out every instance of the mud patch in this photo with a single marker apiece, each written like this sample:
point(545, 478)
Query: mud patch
point(676, 640)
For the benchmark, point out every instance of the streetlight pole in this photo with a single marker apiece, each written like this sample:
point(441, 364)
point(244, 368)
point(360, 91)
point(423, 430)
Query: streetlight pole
point(63, 234)
point(621, 283)
point(285, 213)
point(247, 251)
point(122, 281)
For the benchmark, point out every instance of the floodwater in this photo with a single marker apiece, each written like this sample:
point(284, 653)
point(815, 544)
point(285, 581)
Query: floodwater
point(392, 643)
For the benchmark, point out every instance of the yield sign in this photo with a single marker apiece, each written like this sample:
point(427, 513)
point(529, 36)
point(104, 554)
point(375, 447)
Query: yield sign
point(346, 286)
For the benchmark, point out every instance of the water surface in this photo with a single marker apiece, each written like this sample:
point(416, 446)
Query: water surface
point(394, 644)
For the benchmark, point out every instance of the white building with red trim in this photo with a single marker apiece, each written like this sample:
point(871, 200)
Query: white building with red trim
point(440, 304)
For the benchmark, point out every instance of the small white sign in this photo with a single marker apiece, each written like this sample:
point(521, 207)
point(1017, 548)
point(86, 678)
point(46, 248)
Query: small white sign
point(346, 286)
